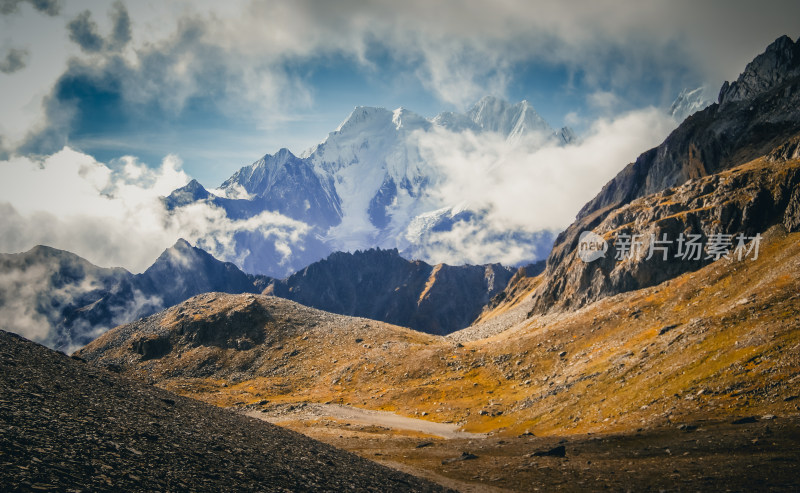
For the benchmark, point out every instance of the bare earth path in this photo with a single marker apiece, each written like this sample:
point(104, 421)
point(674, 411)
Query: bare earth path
point(312, 411)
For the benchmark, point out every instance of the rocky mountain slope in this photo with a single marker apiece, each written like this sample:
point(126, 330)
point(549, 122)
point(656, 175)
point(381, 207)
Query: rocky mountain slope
point(703, 349)
point(68, 426)
point(705, 180)
point(754, 114)
point(733, 208)
point(381, 285)
point(728, 328)
point(242, 337)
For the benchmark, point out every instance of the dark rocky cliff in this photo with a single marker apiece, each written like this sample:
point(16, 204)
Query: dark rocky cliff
point(757, 112)
point(727, 170)
point(382, 285)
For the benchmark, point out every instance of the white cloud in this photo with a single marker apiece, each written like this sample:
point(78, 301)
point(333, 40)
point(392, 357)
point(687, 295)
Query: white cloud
point(604, 101)
point(478, 241)
point(18, 292)
point(524, 186)
point(114, 216)
point(459, 50)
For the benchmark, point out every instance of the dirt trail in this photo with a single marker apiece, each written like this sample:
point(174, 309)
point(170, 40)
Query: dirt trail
point(364, 417)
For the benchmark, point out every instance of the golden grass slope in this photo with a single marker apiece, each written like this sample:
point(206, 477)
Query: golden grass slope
point(722, 341)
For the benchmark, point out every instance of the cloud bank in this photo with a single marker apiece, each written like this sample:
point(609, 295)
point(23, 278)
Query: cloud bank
point(522, 192)
point(238, 59)
point(524, 185)
point(113, 215)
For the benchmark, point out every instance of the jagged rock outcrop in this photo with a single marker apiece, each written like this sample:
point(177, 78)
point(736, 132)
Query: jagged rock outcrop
point(755, 114)
point(733, 207)
point(779, 63)
point(791, 218)
point(786, 152)
point(382, 285)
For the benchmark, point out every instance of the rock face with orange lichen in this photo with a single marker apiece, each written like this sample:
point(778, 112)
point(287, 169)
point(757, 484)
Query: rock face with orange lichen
point(658, 237)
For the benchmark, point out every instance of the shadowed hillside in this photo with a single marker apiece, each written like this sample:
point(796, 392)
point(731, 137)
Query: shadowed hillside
point(67, 426)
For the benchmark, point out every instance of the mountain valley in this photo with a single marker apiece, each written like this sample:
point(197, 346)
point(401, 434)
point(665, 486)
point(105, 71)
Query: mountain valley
point(657, 348)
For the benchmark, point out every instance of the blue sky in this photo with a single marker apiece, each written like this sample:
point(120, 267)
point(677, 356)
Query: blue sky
point(105, 107)
point(220, 84)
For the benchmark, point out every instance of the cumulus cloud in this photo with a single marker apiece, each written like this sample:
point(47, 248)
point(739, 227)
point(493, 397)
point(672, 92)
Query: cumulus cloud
point(83, 30)
point(121, 31)
point(15, 59)
point(475, 240)
point(458, 46)
point(235, 56)
point(150, 86)
point(114, 216)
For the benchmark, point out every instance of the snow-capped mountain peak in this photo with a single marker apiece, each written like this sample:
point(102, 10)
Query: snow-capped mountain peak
point(367, 182)
point(403, 118)
point(511, 120)
point(362, 116)
point(689, 102)
point(455, 122)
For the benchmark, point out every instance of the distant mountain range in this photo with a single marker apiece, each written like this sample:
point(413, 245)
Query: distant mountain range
point(63, 301)
point(366, 185)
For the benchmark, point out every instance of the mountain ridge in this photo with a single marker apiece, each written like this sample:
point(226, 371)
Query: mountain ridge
point(76, 301)
point(715, 140)
point(382, 285)
point(365, 185)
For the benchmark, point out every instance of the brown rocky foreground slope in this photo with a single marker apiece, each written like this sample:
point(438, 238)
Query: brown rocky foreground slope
point(69, 426)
